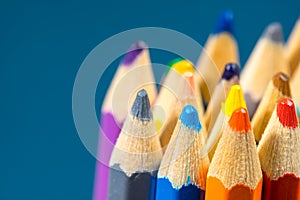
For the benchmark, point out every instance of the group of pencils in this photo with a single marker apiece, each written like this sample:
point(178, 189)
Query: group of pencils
point(227, 135)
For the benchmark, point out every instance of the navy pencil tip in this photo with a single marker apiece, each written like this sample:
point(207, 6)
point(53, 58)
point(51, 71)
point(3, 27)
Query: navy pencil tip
point(225, 23)
point(189, 117)
point(274, 32)
point(231, 70)
point(141, 106)
point(133, 52)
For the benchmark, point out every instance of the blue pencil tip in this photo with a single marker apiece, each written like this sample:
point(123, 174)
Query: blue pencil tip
point(189, 117)
point(231, 70)
point(225, 23)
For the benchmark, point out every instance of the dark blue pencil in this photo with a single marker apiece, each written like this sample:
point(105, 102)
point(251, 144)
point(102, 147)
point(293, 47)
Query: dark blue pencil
point(136, 156)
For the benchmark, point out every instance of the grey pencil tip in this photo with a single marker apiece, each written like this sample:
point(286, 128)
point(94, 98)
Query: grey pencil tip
point(141, 107)
point(274, 32)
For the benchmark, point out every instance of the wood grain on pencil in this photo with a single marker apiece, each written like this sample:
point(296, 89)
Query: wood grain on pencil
point(183, 170)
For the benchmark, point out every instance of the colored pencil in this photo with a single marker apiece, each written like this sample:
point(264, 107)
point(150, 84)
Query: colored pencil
point(188, 95)
point(136, 156)
point(235, 172)
point(183, 169)
point(266, 59)
point(164, 111)
point(279, 151)
point(295, 83)
point(292, 48)
point(277, 89)
point(220, 49)
point(234, 100)
point(230, 77)
point(136, 63)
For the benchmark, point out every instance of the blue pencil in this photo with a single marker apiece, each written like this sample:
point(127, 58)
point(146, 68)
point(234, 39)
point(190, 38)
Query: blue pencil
point(183, 169)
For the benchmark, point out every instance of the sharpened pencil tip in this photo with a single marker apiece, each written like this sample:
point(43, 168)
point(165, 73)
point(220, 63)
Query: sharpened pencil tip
point(225, 23)
point(133, 52)
point(183, 66)
point(141, 106)
point(234, 100)
point(231, 70)
point(274, 32)
point(189, 117)
point(240, 121)
point(281, 82)
point(286, 113)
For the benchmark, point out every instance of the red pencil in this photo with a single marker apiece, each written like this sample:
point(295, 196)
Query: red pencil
point(279, 154)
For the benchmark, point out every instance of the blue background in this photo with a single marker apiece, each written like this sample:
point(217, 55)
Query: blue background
point(42, 45)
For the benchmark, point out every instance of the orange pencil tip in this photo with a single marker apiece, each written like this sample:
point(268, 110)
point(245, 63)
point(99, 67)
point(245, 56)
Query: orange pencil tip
point(240, 121)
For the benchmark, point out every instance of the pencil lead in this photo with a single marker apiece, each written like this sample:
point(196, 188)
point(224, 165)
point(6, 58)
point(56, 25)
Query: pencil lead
point(274, 32)
point(225, 23)
point(281, 82)
point(286, 113)
point(133, 52)
point(141, 106)
point(240, 121)
point(235, 99)
point(189, 117)
point(231, 70)
point(183, 66)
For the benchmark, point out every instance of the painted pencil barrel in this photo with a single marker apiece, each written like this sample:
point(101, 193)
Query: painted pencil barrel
point(137, 186)
point(166, 191)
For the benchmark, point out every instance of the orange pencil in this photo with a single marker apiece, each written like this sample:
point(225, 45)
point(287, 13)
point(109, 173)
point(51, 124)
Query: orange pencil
point(279, 154)
point(235, 172)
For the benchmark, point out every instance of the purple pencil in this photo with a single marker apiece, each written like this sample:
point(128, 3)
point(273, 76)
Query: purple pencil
point(134, 73)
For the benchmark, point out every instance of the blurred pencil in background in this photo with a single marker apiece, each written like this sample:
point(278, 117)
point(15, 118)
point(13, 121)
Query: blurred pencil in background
point(292, 47)
point(277, 89)
point(235, 172)
point(220, 49)
point(230, 77)
point(136, 157)
point(135, 70)
point(266, 59)
point(182, 173)
point(279, 151)
point(295, 83)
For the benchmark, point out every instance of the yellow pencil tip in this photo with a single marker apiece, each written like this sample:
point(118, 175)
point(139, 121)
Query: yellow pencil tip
point(235, 99)
point(183, 66)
